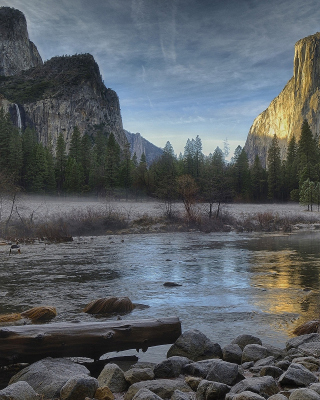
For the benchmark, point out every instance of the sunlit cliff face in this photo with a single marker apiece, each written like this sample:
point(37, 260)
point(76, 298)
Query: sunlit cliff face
point(298, 100)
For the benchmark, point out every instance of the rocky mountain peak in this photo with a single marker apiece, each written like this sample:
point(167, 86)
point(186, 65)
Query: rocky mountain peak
point(299, 100)
point(17, 52)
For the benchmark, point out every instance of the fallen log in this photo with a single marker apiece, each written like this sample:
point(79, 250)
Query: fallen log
point(30, 343)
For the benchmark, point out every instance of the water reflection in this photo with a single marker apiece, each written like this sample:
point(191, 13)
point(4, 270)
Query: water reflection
point(231, 284)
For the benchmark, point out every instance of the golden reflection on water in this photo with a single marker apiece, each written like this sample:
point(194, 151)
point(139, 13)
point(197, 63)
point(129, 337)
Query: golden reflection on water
point(290, 285)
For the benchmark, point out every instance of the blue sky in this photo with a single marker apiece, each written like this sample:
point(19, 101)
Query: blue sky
point(181, 68)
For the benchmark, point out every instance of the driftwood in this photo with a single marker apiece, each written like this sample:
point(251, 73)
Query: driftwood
point(30, 343)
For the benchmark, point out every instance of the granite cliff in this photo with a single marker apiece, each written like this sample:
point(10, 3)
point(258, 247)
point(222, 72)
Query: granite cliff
point(139, 145)
point(56, 96)
point(299, 100)
point(17, 52)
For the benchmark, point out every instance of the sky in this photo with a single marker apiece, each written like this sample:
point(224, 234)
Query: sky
point(181, 68)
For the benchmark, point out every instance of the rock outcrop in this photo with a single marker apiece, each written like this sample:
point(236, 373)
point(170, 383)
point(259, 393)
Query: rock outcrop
point(56, 96)
point(139, 145)
point(299, 100)
point(17, 52)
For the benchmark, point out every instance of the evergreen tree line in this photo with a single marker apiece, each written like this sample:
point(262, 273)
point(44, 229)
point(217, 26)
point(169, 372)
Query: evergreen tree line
point(99, 166)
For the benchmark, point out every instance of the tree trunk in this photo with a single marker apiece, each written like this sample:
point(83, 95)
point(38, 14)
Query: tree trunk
point(30, 343)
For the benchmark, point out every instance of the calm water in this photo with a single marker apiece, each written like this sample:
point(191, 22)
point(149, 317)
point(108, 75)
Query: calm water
point(231, 284)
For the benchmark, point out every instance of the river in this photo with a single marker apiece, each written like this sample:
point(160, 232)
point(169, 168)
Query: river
point(232, 283)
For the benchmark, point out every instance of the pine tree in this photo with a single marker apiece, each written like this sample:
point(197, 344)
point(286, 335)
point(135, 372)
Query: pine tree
point(274, 170)
point(241, 173)
point(60, 162)
point(258, 181)
point(75, 150)
point(112, 162)
point(307, 155)
point(291, 170)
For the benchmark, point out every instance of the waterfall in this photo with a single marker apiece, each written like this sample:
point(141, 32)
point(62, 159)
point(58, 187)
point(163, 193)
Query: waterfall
point(18, 117)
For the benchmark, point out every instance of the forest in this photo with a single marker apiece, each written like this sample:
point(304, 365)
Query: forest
point(98, 166)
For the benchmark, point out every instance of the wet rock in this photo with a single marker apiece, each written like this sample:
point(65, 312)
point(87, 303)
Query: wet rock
point(194, 345)
point(19, 391)
point(224, 372)
point(244, 340)
point(78, 388)
point(254, 352)
point(232, 353)
point(171, 367)
point(161, 387)
point(297, 375)
point(247, 395)
point(134, 375)
point(146, 394)
point(304, 394)
point(171, 284)
point(271, 370)
point(113, 377)
point(211, 390)
point(264, 386)
point(299, 340)
point(48, 376)
point(103, 393)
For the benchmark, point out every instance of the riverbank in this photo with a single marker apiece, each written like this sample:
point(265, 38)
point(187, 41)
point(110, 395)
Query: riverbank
point(60, 218)
point(193, 368)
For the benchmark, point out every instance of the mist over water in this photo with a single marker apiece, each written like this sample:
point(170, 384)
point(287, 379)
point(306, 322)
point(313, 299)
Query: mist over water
point(264, 285)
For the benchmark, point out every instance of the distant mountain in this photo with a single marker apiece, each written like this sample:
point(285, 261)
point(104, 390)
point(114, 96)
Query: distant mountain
point(140, 145)
point(299, 100)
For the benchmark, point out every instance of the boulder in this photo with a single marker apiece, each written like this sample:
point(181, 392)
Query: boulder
point(304, 394)
point(271, 370)
point(297, 375)
point(299, 340)
point(278, 396)
point(49, 375)
point(283, 364)
point(78, 388)
point(232, 353)
point(315, 387)
point(178, 395)
point(103, 393)
point(254, 352)
point(265, 386)
point(211, 390)
point(224, 372)
point(146, 394)
point(19, 391)
point(161, 387)
point(113, 377)
point(244, 340)
point(193, 382)
point(199, 368)
point(134, 375)
point(310, 349)
point(247, 395)
point(311, 363)
point(171, 367)
point(194, 345)
point(265, 361)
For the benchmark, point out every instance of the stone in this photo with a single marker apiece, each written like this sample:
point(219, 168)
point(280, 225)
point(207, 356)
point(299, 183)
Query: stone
point(211, 390)
point(283, 364)
point(310, 349)
point(315, 387)
point(311, 363)
point(244, 340)
point(194, 345)
point(113, 377)
point(247, 395)
point(78, 388)
point(304, 394)
point(224, 372)
point(145, 394)
point(193, 382)
point(178, 395)
point(171, 367)
point(48, 376)
point(298, 100)
point(103, 393)
point(134, 375)
point(297, 375)
point(199, 368)
point(278, 396)
point(254, 352)
point(271, 370)
point(265, 361)
point(232, 353)
point(265, 386)
point(161, 387)
point(299, 340)
point(19, 391)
